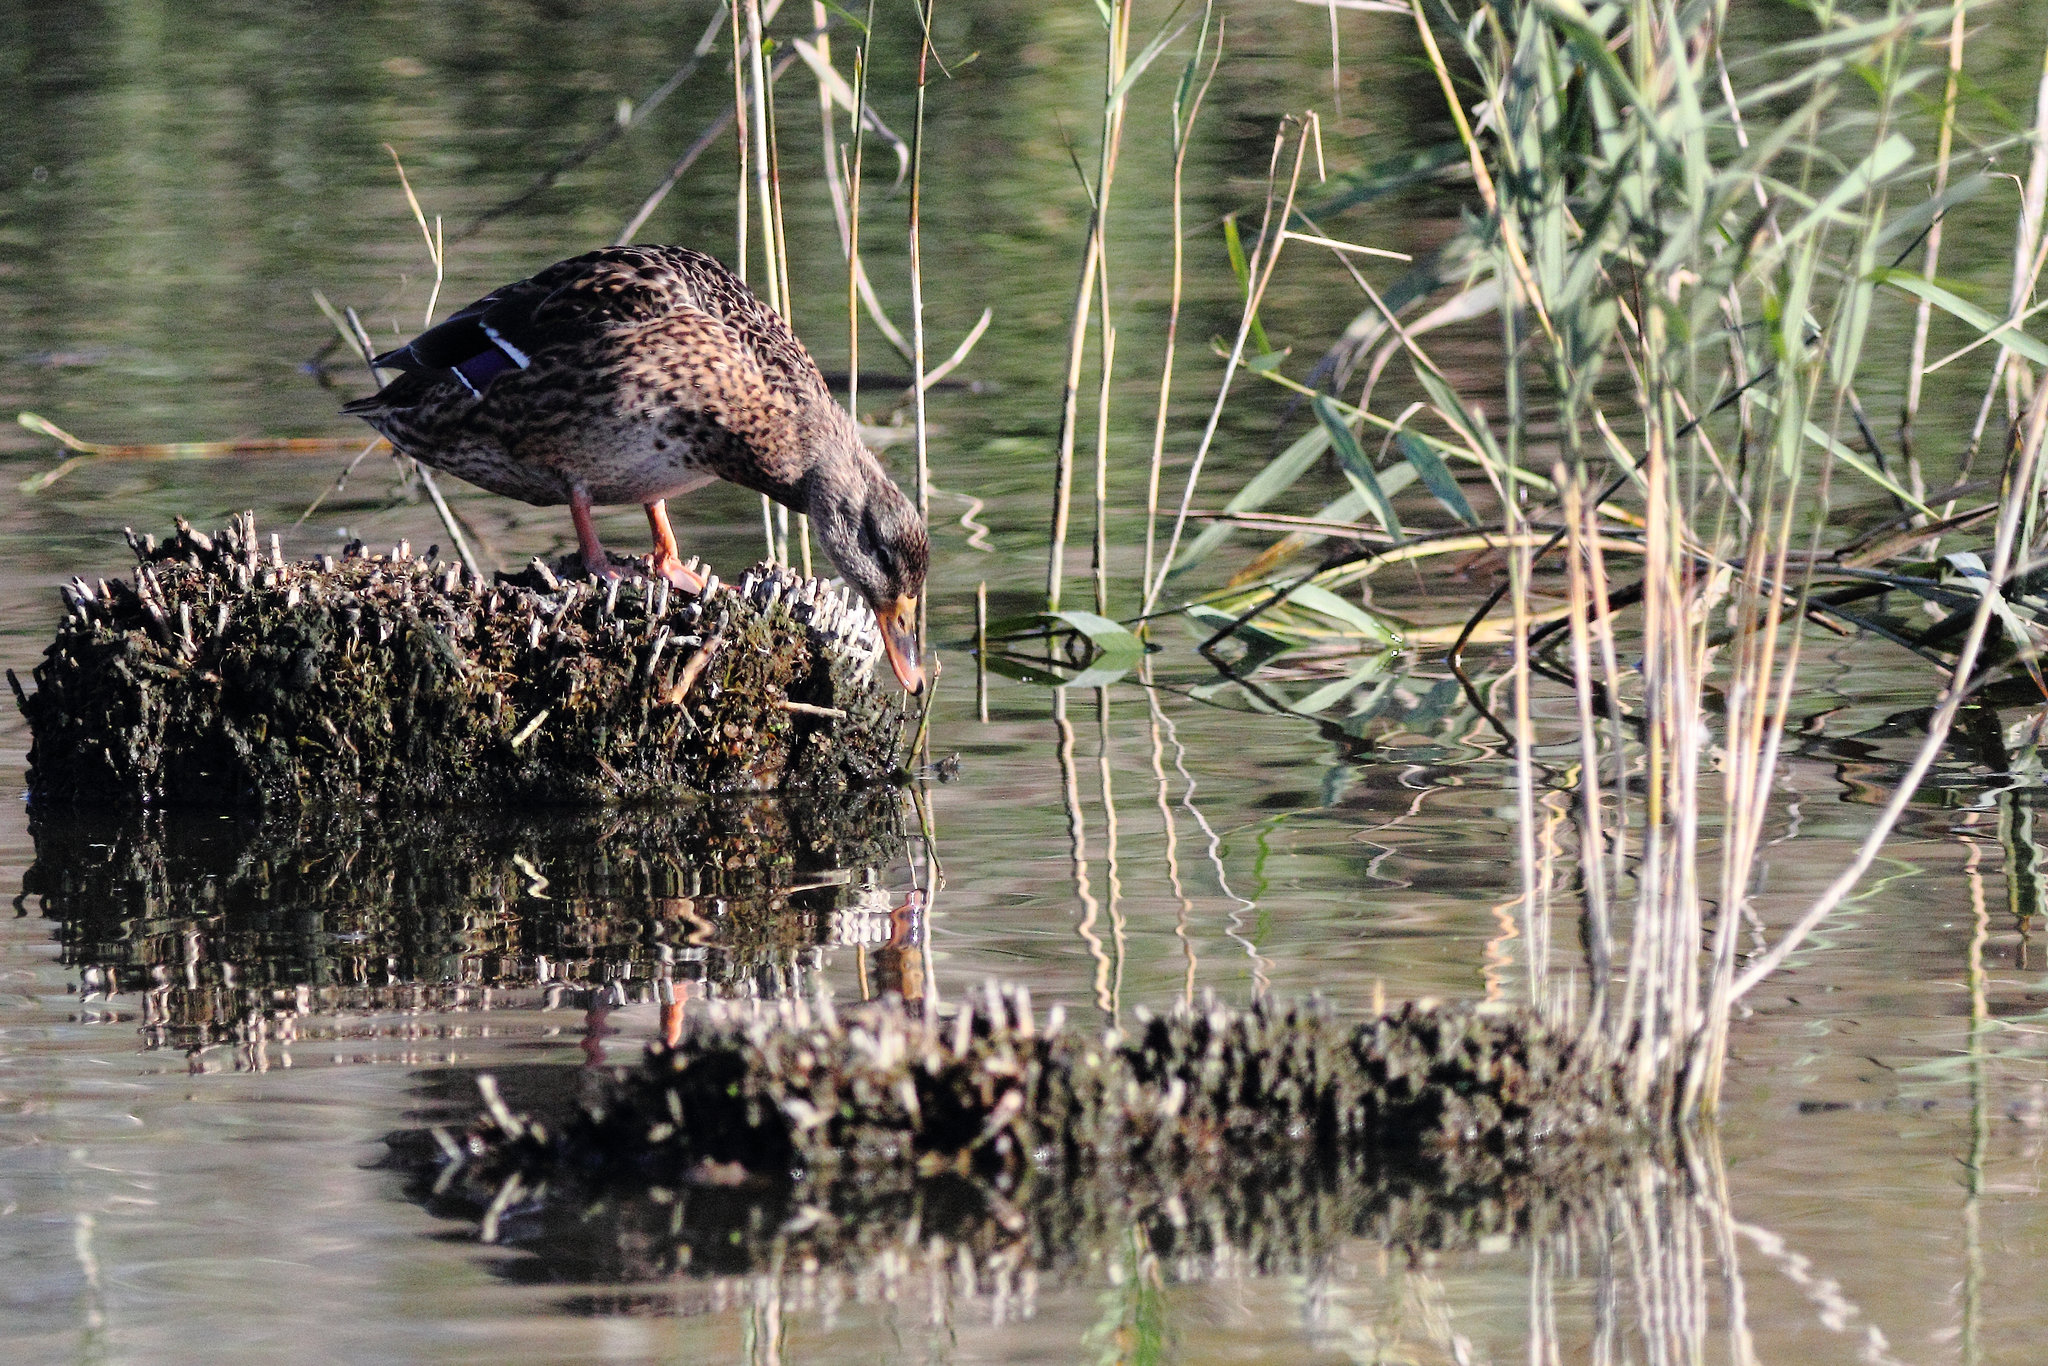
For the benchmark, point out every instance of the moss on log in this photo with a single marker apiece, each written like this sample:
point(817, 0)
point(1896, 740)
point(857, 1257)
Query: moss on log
point(220, 675)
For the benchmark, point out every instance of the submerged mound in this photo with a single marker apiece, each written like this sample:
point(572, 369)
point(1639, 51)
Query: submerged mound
point(223, 676)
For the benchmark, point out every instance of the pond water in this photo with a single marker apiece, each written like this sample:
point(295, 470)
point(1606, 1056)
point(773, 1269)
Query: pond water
point(209, 1026)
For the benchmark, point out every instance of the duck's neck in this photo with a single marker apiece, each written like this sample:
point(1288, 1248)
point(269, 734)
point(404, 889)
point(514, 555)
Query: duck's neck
point(838, 486)
point(822, 457)
point(837, 467)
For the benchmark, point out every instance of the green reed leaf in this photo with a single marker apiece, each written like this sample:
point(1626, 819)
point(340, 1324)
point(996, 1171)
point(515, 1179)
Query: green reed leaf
point(1855, 460)
point(1241, 268)
point(1263, 487)
point(1436, 477)
point(1324, 603)
point(1994, 328)
point(1356, 467)
point(1136, 66)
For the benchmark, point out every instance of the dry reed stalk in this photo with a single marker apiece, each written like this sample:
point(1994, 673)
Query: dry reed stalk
point(712, 132)
point(1511, 242)
point(1592, 845)
point(1116, 65)
point(760, 125)
point(1118, 23)
point(759, 128)
point(828, 146)
point(923, 491)
point(1101, 555)
point(780, 256)
point(742, 225)
point(1265, 256)
point(611, 131)
point(437, 251)
point(1611, 675)
point(2033, 203)
point(1931, 259)
point(1759, 699)
point(1521, 567)
point(1185, 110)
point(934, 871)
point(844, 180)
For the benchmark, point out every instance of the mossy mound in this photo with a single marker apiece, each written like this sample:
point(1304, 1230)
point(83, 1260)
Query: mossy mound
point(229, 928)
point(872, 1103)
point(223, 676)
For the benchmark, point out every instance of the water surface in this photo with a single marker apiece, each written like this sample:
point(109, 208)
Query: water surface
point(184, 1179)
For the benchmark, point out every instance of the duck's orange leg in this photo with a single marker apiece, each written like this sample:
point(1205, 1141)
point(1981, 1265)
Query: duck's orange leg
point(595, 561)
point(664, 561)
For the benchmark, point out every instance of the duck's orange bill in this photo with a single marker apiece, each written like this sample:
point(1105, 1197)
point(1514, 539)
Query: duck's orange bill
point(899, 638)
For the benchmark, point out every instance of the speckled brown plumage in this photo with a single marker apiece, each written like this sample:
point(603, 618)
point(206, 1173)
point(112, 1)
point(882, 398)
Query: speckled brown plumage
point(636, 374)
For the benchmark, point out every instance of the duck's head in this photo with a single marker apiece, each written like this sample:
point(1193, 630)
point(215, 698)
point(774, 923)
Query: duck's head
point(877, 540)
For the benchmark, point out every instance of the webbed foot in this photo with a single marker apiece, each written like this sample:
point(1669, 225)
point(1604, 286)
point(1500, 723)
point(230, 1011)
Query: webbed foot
point(669, 567)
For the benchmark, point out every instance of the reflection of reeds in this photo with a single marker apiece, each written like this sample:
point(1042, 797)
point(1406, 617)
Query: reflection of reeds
point(1077, 854)
point(1170, 828)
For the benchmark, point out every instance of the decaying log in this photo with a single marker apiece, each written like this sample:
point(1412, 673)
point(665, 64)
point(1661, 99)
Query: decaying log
point(220, 675)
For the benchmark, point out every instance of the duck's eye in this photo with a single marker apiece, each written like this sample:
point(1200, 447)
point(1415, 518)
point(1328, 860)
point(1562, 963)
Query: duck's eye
point(877, 548)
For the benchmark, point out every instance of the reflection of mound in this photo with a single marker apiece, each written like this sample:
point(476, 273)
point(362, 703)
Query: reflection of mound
point(824, 1240)
point(223, 923)
point(811, 1137)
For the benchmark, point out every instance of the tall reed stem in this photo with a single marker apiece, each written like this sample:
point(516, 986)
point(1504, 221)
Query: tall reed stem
point(1093, 264)
point(1916, 362)
point(1259, 271)
point(924, 493)
point(1185, 110)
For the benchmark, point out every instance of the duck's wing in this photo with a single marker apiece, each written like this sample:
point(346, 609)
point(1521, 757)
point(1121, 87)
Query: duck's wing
point(755, 329)
point(570, 303)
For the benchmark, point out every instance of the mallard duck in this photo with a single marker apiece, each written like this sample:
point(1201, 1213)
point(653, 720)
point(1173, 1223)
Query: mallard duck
point(635, 375)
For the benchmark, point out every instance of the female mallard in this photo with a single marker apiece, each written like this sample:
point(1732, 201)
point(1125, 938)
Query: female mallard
point(634, 375)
